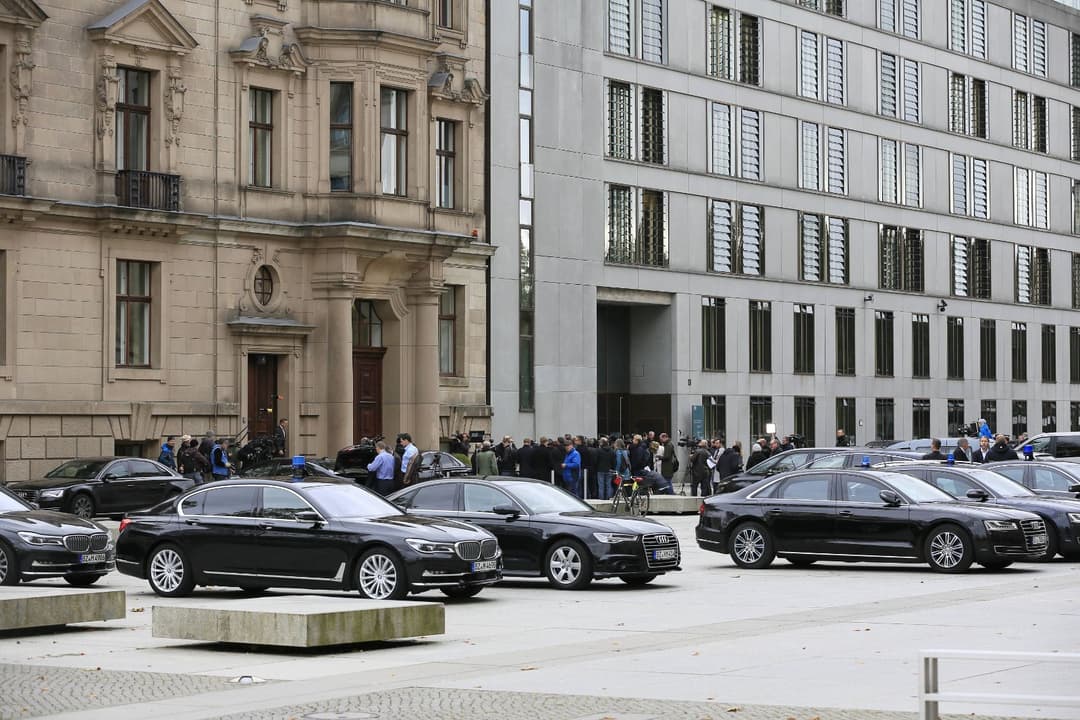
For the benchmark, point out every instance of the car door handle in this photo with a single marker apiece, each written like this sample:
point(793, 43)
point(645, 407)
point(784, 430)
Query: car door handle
point(774, 512)
point(846, 513)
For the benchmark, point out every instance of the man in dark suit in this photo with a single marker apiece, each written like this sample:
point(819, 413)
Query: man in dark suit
point(281, 436)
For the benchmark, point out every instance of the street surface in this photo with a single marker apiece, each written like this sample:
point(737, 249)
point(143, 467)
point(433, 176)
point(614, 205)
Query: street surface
point(833, 642)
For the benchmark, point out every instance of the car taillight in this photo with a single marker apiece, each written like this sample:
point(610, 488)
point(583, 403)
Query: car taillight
point(700, 510)
point(123, 524)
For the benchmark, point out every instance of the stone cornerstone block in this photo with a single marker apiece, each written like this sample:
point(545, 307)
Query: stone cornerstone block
point(298, 621)
point(30, 607)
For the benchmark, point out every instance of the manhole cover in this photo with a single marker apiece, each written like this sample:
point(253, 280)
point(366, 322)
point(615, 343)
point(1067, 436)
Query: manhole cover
point(340, 716)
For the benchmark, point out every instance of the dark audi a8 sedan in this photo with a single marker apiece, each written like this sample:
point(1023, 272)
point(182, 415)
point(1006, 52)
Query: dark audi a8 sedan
point(864, 516)
point(256, 534)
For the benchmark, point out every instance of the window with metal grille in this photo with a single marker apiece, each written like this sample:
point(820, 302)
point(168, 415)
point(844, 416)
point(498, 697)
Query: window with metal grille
point(652, 235)
point(1019, 417)
point(1049, 416)
point(845, 341)
point(901, 259)
point(1032, 275)
point(845, 417)
point(1029, 45)
point(653, 122)
point(829, 7)
point(954, 343)
point(1074, 416)
point(1076, 207)
point(760, 415)
point(736, 234)
point(637, 227)
point(760, 336)
point(884, 419)
point(824, 242)
point(1074, 59)
point(1019, 352)
point(713, 334)
point(749, 49)
point(804, 420)
point(1029, 121)
point(619, 24)
point(1076, 281)
point(988, 412)
point(720, 45)
point(920, 417)
point(620, 120)
point(1074, 355)
point(954, 416)
point(987, 350)
point(967, 105)
point(1049, 353)
point(620, 224)
point(734, 45)
point(715, 415)
point(920, 345)
point(804, 339)
point(652, 30)
point(134, 299)
point(1074, 127)
point(901, 172)
point(883, 343)
point(1031, 198)
point(971, 267)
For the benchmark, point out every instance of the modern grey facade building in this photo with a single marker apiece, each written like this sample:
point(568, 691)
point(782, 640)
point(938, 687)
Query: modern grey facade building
point(814, 214)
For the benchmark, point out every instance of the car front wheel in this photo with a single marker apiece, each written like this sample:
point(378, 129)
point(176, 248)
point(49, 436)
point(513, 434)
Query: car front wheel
point(752, 546)
point(568, 565)
point(9, 566)
point(948, 549)
point(380, 575)
point(83, 506)
point(169, 572)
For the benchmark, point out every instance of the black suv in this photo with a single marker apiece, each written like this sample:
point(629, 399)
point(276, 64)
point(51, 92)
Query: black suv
point(1057, 444)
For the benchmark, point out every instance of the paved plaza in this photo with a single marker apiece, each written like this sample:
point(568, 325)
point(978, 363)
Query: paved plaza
point(828, 642)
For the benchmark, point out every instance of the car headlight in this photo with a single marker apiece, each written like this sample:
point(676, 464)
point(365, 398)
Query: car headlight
point(999, 525)
point(51, 494)
point(612, 538)
point(1074, 518)
point(430, 548)
point(33, 538)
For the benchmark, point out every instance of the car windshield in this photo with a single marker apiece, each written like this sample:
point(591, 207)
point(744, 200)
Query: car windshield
point(914, 489)
point(1000, 485)
point(78, 469)
point(350, 501)
point(542, 498)
point(9, 503)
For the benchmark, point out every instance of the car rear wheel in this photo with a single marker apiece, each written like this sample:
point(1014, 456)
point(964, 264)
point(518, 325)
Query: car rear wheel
point(380, 575)
point(568, 565)
point(83, 506)
point(948, 549)
point(9, 566)
point(460, 593)
point(637, 580)
point(169, 572)
point(752, 546)
point(83, 579)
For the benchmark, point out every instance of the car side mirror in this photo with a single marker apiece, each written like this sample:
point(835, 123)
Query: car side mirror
point(977, 494)
point(35, 506)
point(1075, 488)
point(107, 477)
point(509, 510)
point(890, 498)
point(309, 516)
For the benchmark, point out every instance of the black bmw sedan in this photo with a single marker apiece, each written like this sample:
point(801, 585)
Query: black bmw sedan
point(89, 487)
point(38, 544)
point(257, 534)
point(546, 531)
point(864, 516)
point(979, 485)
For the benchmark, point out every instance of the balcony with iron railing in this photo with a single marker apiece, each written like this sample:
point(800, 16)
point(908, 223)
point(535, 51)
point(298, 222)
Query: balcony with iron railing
point(148, 190)
point(12, 175)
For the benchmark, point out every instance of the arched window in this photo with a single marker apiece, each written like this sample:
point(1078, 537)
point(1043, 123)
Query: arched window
point(367, 325)
point(264, 285)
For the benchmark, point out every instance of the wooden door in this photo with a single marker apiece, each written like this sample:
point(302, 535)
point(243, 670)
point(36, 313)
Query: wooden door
point(262, 395)
point(367, 393)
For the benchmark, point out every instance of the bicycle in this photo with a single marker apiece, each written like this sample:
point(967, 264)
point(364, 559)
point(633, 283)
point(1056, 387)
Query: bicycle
point(633, 495)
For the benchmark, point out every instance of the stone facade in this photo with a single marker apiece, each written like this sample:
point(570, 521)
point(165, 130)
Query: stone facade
point(79, 205)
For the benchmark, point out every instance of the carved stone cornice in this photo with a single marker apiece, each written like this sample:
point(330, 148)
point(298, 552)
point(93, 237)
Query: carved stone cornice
point(268, 48)
point(450, 81)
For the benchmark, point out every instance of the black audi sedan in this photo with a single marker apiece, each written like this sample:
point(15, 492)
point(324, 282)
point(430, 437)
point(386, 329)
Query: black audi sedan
point(89, 487)
point(38, 544)
point(979, 485)
point(545, 531)
point(256, 534)
point(1052, 478)
point(864, 516)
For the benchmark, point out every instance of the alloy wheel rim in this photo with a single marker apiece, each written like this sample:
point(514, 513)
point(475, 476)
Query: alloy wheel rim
point(167, 570)
point(378, 577)
point(81, 507)
point(947, 549)
point(749, 545)
point(3, 565)
point(565, 565)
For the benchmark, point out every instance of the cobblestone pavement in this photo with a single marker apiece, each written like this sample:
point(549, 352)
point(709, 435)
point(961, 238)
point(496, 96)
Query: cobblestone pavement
point(36, 690)
point(440, 704)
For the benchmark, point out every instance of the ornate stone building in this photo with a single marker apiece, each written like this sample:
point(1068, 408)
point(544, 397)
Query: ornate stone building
point(218, 213)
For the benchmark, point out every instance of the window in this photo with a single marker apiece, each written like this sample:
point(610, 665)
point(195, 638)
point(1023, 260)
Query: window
point(829, 7)
point(804, 420)
point(845, 342)
point(736, 238)
point(735, 141)
point(804, 339)
point(1074, 59)
point(920, 346)
point(631, 137)
point(526, 275)
point(281, 504)
point(1074, 416)
point(988, 412)
point(954, 416)
point(828, 172)
point(971, 267)
point(715, 415)
point(899, 16)
point(1019, 417)
point(637, 227)
point(1049, 416)
point(1032, 275)
point(1029, 45)
point(734, 45)
point(821, 67)
point(901, 173)
point(341, 137)
point(446, 163)
point(1074, 355)
point(824, 243)
point(954, 341)
point(652, 30)
point(883, 343)
point(649, 34)
point(482, 498)
point(760, 336)
point(1029, 121)
point(444, 16)
point(920, 417)
point(987, 350)
point(133, 120)
point(760, 415)
point(901, 259)
point(448, 331)
point(231, 501)
point(394, 130)
point(435, 497)
point(1076, 207)
point(366, 325)
point(133, 304)
point(263, 285)
point(884, 419)
point(653, 122)
point(1076, 281)
point(845, 417)
point(1031, 198)
point(713, 334)
point(967, 105)
point(967, 27)
point(619, 26)
point(261, 137)
point(1049, 354)
point(1019, 352)
point(899, 88)
point(970, 186)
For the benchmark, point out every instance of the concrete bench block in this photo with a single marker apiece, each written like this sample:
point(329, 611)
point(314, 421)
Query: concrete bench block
point(31, 607)
point(298, 620)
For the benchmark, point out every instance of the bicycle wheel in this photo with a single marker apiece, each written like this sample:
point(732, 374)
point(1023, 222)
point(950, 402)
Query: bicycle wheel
point(643, 503)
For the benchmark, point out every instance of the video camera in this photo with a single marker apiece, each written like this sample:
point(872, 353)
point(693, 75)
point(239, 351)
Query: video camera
point(688, 442)
point(970, 429)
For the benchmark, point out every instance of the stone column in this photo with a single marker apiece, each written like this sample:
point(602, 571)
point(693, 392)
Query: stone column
point(339, 373)
point(424, 309)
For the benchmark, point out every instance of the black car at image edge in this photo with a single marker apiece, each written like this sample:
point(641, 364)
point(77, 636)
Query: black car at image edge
point(37, 544)
point(256, 534)
point(864, 516)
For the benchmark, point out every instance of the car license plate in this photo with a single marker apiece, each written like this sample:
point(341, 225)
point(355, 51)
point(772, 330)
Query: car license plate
point(668, 554)
point(92, 558)
point(485, 566)
point(1038, 539)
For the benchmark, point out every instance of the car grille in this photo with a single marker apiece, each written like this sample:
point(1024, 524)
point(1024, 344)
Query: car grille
point(1032, 528)
point(27, 495)
point(659, 542)
point(82, 543)
point(473, 550)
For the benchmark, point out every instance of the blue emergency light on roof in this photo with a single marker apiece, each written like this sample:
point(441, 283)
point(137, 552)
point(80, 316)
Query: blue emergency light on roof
point(866, 461)
point(952, 459)
point(1029, 452)
point(298, 468)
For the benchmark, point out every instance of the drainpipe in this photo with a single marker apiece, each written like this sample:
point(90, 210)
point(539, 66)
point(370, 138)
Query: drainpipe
point(487, 194)
point(216, 216)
